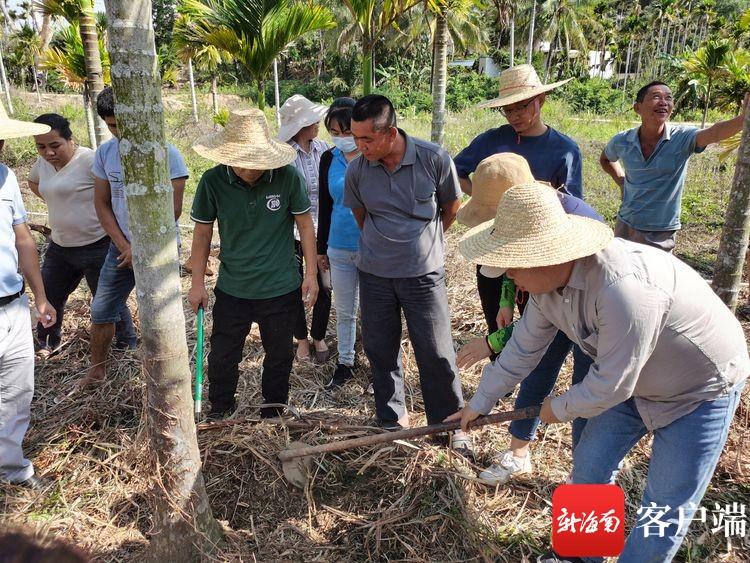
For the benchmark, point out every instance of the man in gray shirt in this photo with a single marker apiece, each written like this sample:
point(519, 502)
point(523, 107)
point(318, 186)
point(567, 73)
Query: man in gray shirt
point(669, 357)
point(404, 193)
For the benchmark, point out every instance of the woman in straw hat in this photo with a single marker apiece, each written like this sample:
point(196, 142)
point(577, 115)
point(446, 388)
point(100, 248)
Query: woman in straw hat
point(300, 121)
point(257, 197)
point(494, 176)
point(670, 358)
point(17, 253)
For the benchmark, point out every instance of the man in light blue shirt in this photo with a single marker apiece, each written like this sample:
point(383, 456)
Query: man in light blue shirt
point(116, 280)
point(18, 253)
point(649, 164)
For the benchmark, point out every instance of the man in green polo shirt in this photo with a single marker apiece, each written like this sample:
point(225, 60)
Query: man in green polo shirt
point(257, 197)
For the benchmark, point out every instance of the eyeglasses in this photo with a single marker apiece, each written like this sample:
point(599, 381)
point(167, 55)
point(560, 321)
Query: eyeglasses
point(508, 111)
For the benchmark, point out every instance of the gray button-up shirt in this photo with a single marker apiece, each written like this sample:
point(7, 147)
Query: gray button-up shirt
point(402, 235)
point(656, 331)
point(308, 164)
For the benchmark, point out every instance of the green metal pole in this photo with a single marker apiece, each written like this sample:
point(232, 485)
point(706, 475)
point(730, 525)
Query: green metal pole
point(199, 364)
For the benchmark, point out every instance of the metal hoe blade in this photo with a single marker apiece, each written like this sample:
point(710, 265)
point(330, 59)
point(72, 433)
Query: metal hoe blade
point(297, 469)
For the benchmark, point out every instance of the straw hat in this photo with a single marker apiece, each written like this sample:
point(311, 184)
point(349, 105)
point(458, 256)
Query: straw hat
point(13, 128)
point(246, 143)
point(531, 229)
point(493, 176)
point(296, 113)
point(519, 83)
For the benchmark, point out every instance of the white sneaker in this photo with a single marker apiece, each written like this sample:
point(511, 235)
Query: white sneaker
point(506, 465)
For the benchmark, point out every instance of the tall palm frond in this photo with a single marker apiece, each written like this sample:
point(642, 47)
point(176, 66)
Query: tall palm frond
point(66, 57)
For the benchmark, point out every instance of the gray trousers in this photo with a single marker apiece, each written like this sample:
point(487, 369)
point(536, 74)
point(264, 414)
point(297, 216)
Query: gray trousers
point(16, 388)
point(663, 240)
point(424, 301)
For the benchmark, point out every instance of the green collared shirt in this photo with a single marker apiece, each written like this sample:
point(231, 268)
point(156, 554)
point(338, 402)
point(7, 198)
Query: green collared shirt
point(256, 228)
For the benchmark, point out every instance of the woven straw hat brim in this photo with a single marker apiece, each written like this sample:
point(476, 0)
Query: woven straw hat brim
point(13, 129)
point(260, 156)
point(583, 237)
point(471, 214)
point(521, 95)
point(311, 115)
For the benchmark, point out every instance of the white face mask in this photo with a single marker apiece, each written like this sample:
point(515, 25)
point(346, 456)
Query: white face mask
point(345, 144)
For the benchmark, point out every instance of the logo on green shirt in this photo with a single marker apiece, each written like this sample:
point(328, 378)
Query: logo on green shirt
point(273, 203)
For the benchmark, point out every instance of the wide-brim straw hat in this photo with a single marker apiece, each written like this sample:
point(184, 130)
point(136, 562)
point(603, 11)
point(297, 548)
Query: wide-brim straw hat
point(519, 83)
point(531, 229)
point(245, 143)
point(13, 128)
point(296, 113)
point(493, 176)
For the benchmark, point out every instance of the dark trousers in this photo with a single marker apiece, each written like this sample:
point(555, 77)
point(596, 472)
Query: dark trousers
point(541, 381)
point(321, 310)
point(62, 270)
point(424, 301)
point(232, 319)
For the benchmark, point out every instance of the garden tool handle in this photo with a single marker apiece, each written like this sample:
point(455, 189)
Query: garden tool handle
point(518, 414)
point(199, 362)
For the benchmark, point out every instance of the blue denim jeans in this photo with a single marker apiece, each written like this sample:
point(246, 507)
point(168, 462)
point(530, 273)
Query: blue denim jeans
point(63, 269)
point(345, 282)
point(424, 301)
point(115, 284)
point(541, 381)
point(683, 459)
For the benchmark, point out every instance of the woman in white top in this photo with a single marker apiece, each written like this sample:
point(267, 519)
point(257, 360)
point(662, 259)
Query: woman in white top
point(62, 177)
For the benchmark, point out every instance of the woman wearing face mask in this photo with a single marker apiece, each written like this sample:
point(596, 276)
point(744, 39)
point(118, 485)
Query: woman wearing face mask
point(62, 177)
point(338, 234)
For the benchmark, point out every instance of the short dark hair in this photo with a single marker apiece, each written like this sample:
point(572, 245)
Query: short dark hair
point(105, 103)
point(57, 123)
point(375, 107)
point(641, 94)
point(340, 112)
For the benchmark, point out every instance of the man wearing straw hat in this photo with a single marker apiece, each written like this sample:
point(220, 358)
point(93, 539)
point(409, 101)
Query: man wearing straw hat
point(18, 252)
point(669, 357)
point(493, 177)
point(404, 193)
point(257, 197)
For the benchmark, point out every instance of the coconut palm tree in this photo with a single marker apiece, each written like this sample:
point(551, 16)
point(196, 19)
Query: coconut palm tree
point(81, 13)
point(704, 66)
point(370, 19)
point(562, 20)
point(443, 10)
point(255, 32)
point(206, 57)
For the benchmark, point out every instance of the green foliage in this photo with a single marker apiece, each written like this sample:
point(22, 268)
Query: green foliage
point(221, 118)
point(501, 57)
point(66, 57)
point(163, 16)
point(593, 95)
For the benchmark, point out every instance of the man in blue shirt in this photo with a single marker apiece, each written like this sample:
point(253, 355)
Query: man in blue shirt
point(19, 261)
point(552, 156)
point(116, 280)
point(649, 163)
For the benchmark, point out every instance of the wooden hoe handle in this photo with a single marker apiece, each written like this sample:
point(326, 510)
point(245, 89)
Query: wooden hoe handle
point(518, 414)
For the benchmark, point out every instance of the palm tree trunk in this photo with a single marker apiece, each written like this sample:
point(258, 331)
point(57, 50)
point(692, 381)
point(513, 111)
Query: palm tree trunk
point(214, 95)
point(194, 100)
point(261, 93)
point(512, 40)
point(184, 528)
point(88, 112)
point(6, 86)
point(532, 23)
point(638, 64)
point(367, 71)
point(440, 78)
point(548, 65)
point(36, 82)
point(93, 62)
point(627, 69)
point(276, 92)
point(734, 236)
point(6, 15)
point(708, 101)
